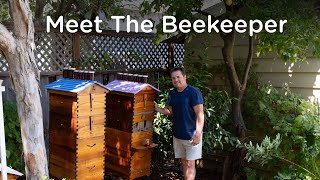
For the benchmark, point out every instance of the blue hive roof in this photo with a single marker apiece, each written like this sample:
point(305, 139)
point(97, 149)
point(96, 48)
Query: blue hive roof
point(128, 86)
point(71, 85)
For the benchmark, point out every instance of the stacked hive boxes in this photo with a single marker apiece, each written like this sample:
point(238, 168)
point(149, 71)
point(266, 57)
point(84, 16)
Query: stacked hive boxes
point(129, 117)
point(77, 134)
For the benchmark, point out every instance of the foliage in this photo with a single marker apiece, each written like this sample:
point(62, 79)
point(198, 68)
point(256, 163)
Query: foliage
point(13, 136)
point(261, 153)
point(162, 125)
point(4, 10)
point(298, 123)
point(171, 7)
point(71, 9)
point(94, 63)
point(83, 9)
point(252, 174)
point(301, 32)
point(216, 109)
point(108, 60)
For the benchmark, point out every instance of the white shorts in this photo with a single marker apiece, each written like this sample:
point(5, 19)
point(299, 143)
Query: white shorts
point(184, 149)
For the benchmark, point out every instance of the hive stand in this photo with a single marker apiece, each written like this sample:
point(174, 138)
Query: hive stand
point(77, 136)
point(129, 118)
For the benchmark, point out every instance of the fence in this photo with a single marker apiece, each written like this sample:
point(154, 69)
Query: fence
point(103, 51)
point(106, 53)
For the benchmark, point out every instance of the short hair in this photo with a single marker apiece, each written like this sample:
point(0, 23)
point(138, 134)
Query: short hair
point(178, 69)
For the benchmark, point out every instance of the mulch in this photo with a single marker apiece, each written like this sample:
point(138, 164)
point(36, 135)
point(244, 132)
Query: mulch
point(170, 170)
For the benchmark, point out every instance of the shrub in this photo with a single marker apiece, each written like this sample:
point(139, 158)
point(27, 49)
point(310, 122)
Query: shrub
point(296, 120)
point(216, 109)
point(13, 136)
point(162, 125)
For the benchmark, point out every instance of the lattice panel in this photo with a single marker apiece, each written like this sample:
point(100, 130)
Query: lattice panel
point(178, 55)
point(3, 64)
point(101, 52)
point(122, 52)
point(53, 50)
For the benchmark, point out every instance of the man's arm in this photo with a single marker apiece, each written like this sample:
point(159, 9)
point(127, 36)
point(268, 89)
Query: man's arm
point(166, 111)
point(198, 109)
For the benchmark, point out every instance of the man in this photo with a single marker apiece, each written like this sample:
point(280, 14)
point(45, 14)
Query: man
point(185, 103)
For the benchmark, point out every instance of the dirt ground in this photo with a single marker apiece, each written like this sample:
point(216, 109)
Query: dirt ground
point(170, 170)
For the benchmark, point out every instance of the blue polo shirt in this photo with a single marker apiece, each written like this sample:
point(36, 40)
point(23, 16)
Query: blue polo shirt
point(184, 117)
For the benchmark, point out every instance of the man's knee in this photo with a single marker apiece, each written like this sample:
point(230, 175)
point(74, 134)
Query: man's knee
point(190, 163)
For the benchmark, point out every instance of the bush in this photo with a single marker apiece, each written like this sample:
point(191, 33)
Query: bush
point(162, 125)
point(296, 120)
point(216, 109)
point(13, 136)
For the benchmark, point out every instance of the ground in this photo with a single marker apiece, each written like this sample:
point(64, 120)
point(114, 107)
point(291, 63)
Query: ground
point(170, 170)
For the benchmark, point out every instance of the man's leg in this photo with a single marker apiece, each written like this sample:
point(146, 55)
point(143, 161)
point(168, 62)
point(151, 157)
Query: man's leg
point(189, 163)
point(183, 150)
point(189, 169)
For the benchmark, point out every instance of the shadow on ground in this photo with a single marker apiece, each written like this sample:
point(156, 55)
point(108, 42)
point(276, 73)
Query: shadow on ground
point(170, 170)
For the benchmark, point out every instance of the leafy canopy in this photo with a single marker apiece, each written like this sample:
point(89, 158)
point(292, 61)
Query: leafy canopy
point(301, 33)
point(70, 9)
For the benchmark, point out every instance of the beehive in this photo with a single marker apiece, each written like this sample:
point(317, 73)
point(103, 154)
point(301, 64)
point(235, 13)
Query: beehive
point(129, 117)
point(76, 125)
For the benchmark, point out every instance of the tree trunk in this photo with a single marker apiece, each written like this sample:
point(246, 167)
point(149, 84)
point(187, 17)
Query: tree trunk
point(18, 51)
point(232, 169)
point(234, 163)
point(38, 15)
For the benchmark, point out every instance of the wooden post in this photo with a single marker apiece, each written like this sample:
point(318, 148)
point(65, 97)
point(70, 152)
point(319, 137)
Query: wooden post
point(76, 49)
point(2, 138)
point(171, 56)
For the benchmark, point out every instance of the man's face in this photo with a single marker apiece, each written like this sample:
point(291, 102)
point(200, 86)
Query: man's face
point(178, 79)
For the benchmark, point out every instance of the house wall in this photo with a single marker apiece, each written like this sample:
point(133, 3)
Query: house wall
point(301, 77)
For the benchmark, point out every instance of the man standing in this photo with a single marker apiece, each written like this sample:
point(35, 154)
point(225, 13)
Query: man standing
point(185, 103)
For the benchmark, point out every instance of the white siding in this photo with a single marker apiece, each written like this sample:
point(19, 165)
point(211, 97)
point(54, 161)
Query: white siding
point(301, 77)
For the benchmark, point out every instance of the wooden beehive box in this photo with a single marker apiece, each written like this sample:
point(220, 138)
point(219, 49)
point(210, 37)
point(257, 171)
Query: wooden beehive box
point(77, 135)
point(129, 118)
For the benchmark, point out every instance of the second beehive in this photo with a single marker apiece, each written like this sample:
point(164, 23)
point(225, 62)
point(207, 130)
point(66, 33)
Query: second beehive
point(129, 118)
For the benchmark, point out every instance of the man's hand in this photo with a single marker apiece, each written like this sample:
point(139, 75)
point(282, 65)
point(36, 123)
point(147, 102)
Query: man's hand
point(156, 106)
point(195, 139)
point(166, 111)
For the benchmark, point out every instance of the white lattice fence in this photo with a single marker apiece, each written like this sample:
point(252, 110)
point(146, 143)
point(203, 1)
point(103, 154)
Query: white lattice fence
point(55, 50)
point(3, 64)
point(178, 54)
point(122, 52)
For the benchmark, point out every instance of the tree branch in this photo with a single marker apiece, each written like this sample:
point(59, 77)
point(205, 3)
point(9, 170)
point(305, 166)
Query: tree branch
point(19, 12)
point(7, 41)
point(227, 52)
point(248, 64)
point(39, 11)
